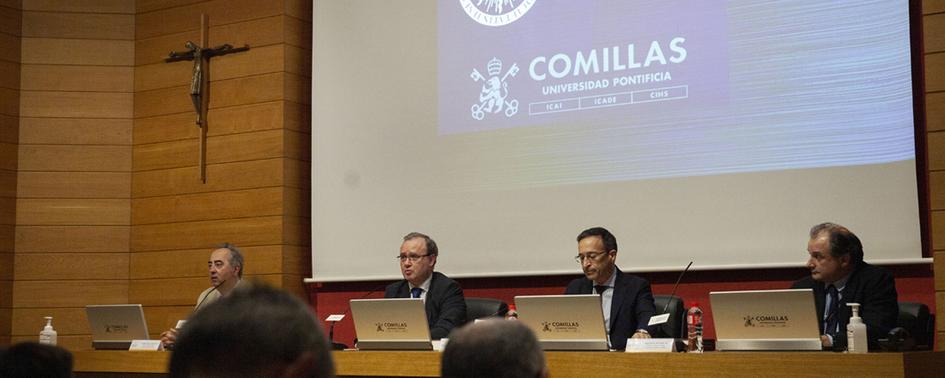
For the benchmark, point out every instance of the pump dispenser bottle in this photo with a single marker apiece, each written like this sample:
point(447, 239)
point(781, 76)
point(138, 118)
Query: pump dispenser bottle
point(48, 335)
point(856, 332)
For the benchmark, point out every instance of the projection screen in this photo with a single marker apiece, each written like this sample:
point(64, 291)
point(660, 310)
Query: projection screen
point(711, 131)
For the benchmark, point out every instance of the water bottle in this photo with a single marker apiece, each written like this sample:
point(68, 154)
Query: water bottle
point(694, 321)
point(48, 334)
point(511, 314)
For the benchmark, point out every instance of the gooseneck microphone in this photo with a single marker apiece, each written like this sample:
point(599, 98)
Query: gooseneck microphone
point(676, 286)
point(208, 294)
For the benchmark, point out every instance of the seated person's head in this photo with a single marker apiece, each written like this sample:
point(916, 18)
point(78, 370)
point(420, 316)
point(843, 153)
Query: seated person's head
point(29, 359)
point(256, 331)
point(493, 348)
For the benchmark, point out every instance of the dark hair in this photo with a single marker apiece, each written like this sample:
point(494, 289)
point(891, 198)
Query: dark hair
point(493, 348)
point(842, 241)
point(29, 359)
point(431, 245)
point(610, 242)
point(251, 332)
point(236, 257)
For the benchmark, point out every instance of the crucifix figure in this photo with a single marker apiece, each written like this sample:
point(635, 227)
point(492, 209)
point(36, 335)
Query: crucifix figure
point(201, 57)
point(200, 80)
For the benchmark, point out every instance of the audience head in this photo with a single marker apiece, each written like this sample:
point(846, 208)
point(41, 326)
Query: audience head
point(33, 360)
point(417, 257)
point(834, 251)
point(493, 348)
point(255, 331)
point(597, 254)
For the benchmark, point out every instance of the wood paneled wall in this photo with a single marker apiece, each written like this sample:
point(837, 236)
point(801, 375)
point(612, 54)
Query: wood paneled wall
point(9, 131)
point(934, 48)
point(73, 197)
point(257, 190)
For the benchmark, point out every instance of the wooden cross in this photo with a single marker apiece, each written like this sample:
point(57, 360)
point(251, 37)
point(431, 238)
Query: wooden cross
point(200, 81)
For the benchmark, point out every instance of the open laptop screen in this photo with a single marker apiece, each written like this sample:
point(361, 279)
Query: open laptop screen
point(115, 326)
point(765, 320)
point(564, 322)
point(393, 323)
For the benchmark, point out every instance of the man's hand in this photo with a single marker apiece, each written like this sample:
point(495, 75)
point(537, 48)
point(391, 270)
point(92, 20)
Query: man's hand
point(641, 334)
point(169, 337)
point(826, 341)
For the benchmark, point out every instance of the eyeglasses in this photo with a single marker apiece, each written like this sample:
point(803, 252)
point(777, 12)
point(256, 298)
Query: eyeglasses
point(593, 256)
point(412, 258)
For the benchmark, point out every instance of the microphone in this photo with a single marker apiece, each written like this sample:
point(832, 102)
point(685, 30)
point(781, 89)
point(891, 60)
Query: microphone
point(676, 286)
point(660, 320)
point(331, 327)
point(208, 294)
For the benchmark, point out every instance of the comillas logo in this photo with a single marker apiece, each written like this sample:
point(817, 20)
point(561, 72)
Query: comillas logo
point(496, 12)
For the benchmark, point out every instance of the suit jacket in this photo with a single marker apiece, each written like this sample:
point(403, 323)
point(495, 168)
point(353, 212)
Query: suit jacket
point(631, 308)
point(445, 304)
point(874, 289)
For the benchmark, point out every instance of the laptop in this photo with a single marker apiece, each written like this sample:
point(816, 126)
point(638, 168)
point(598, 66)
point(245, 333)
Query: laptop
point(115, 326)
point(564, 322)
point(758, 320)
point(391, 324)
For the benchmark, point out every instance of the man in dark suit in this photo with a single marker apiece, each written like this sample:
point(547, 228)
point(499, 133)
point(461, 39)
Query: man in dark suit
point(626, 300)
point(442, 297)
point(839, 276)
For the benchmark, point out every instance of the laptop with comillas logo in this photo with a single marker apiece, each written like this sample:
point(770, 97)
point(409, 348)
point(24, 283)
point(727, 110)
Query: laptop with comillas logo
point(115, 326)
point(564, 322)
point(758, 320)
point(391, 324)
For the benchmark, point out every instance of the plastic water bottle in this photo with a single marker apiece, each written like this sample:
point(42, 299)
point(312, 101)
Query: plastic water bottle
point(694, 321)
point(511, 314)
point(48, 334)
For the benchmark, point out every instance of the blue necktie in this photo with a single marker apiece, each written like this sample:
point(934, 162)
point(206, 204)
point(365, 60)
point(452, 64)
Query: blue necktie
point(833, 318)
point(415, 292)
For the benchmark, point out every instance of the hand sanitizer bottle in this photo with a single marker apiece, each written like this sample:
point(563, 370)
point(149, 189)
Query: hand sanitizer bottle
point(856, 332)
point(48, 334)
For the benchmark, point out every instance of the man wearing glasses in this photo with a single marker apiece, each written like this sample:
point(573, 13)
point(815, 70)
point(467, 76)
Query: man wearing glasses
point(626, 300)
point(442, 297)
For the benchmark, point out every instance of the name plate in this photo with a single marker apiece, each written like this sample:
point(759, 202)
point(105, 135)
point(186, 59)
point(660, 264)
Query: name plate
point(335, 317)
point(149, 345)
point(661, 345)
point(658, 319)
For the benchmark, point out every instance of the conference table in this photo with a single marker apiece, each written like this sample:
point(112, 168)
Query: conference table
point(579, 364)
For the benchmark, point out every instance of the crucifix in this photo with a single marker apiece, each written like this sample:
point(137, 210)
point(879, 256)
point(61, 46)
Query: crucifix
point(200, 80)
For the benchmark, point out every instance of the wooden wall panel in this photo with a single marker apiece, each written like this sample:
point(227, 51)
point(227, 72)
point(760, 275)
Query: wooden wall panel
point(74, 184)
point(7, 80)
point(66, 321)
point(75, 104)
point(256, 33)
point(935, 72)
point(208, 206)
point(222, 12)
point(206, 234)
point(267, 259)
point(6, 266)
point(69, 211)
point(77, 51)
point(71, 266)
point(10, 30)
point(933, 6)
point(933, 35)
point(79, 239)
point(224, 176)
point(59, 158)
point(256, 61)
point(10, 20)
point(222, 149)
point(50, 294)
point(78, 25)
point(82, 6)
point(223, 121)
point(77, 78)
point(99, 131)
point(935, 111)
